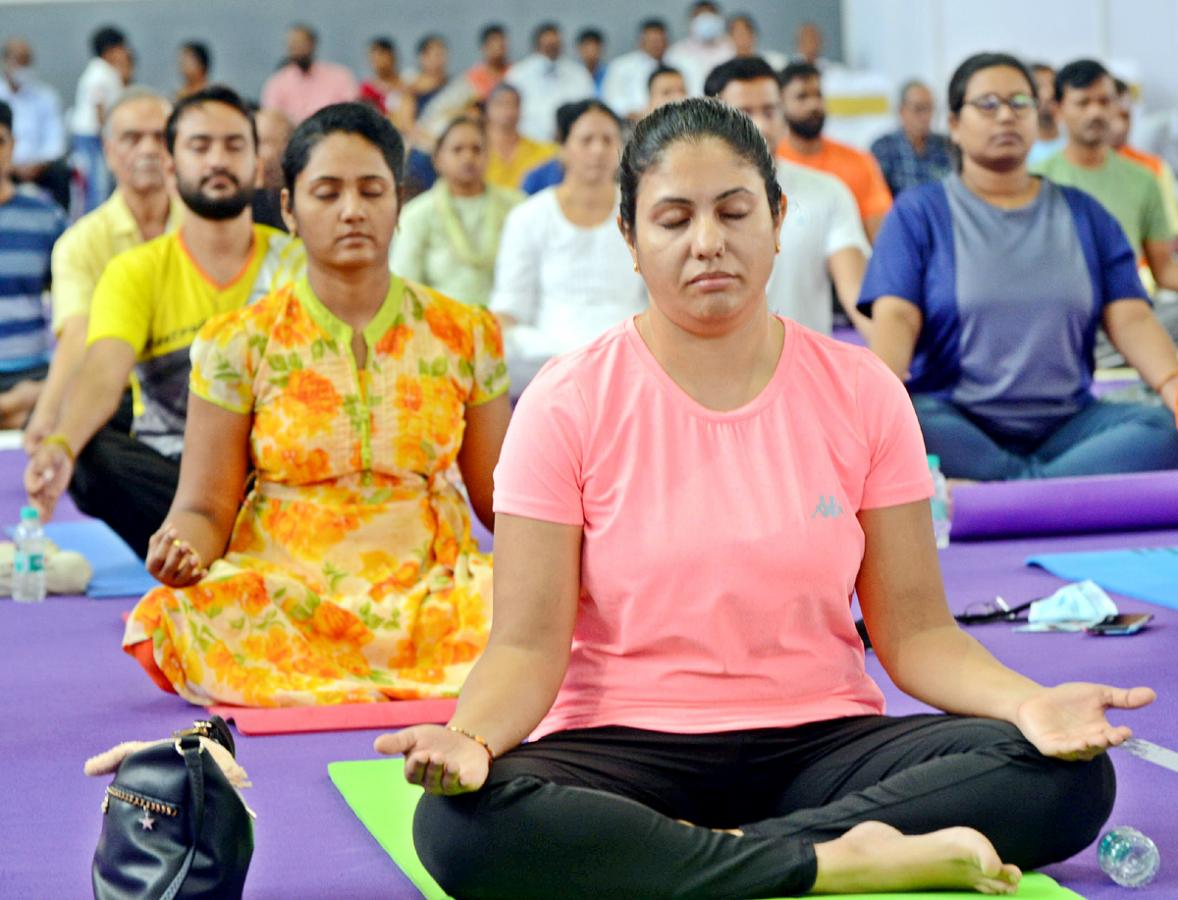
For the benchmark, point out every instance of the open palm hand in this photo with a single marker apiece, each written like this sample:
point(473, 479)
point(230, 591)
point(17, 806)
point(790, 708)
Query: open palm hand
point(1068, 721)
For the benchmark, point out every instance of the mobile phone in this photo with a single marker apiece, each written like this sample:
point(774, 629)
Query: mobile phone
point(1125, 623)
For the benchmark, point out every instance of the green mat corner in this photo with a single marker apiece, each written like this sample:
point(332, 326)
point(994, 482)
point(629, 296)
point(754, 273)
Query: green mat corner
point(384, 801)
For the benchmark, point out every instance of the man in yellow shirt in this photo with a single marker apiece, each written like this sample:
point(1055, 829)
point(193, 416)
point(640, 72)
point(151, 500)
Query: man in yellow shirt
point(139, 210)
point(148, 306)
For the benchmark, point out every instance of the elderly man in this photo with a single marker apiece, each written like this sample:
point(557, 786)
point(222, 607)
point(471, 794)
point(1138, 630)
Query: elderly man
point(913, 154)
point(138, 210)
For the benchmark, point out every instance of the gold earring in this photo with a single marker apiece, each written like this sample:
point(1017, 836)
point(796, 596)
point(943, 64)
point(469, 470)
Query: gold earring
point(777, 247)
point(635, 266)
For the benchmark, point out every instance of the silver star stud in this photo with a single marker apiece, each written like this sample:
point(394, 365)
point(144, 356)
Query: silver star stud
point(147, 821)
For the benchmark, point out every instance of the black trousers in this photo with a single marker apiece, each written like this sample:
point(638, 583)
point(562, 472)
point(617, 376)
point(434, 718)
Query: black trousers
point(124, 482)
point(592, 812)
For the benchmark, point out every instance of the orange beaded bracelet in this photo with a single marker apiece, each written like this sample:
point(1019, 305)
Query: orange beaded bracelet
point(476, 738)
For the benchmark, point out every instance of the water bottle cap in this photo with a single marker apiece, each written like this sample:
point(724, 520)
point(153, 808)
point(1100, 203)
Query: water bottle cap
point(934, 461)
point(27, 513)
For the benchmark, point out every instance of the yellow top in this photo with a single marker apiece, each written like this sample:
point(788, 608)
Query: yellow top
point(81, 254)
point(509, 173)
point(156, 298)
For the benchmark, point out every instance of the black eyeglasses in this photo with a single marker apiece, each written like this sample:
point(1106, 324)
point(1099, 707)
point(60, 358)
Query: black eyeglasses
point(989, 104)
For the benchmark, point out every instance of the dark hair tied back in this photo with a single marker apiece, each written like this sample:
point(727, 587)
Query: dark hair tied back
point(343, 118)
point(694, 120)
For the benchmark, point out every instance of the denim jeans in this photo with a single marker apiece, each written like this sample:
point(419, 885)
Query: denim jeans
point(1103, 438)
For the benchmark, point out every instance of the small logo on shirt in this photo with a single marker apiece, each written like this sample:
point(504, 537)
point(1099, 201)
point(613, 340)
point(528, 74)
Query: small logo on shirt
point(828, 508)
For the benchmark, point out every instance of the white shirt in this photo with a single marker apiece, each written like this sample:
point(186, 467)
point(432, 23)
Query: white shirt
point(545, 85)
point(820, 219)
point(100, 84)
point(38, 133)
point(696, 59)
point(625, 89)
point(563, 284)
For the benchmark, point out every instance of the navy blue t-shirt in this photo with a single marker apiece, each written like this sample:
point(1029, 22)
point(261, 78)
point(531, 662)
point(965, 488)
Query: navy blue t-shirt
point(1011, 299)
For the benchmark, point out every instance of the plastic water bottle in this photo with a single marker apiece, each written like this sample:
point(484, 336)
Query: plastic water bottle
point(28, 564)
point(939, 503)
point(1128, 857)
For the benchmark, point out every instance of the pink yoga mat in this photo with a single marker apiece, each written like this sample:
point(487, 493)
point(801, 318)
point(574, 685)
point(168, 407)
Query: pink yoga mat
point(1100, 503)
point(344, 717)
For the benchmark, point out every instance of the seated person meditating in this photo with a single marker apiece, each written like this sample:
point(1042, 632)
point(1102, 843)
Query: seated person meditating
point(348, 573)
point(563, 276)
point(684, 508)
point(987, 290)
point(449, 235)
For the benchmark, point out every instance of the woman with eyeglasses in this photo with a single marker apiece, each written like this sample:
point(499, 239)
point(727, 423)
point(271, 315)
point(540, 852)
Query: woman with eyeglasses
point(987, 290)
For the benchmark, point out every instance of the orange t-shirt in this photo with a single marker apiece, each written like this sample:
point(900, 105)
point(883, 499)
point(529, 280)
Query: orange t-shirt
point(857, 170)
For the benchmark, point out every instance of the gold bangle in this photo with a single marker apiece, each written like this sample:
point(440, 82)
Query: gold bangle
point(476, 738)
point(59, 440)
point(1161, 384)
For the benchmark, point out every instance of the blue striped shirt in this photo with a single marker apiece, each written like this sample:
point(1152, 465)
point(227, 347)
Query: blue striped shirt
point(29, 226)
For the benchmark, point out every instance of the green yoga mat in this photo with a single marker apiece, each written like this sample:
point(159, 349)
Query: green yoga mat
point(380, 797)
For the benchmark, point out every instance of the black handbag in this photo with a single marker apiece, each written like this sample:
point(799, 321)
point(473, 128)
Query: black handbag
point(173, 826)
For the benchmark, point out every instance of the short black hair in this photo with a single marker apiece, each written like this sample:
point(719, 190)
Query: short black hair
point(590, 34)
point(107, 38)
point(214, 93)
point(659, 72)
point(796, 70)
point(568, 113)
point(704, 4)
point(693, 120)
point(426, 40)
point(200, 50)
point(311, 33)
point(383, 43)
point(1041, 67)
point(542, 29)
point(489, 31)
point(343, 118)
point(1078, 75)
point(959, 81)
point(739, 68)
point(748, 20)
point(651, 24)
point(5, 116)
point(1122, 87)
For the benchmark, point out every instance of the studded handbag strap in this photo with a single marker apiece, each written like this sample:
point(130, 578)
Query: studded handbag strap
point(196, 780)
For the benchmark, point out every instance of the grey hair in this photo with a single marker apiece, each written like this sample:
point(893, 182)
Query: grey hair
point(130, 95)
point(906, 87)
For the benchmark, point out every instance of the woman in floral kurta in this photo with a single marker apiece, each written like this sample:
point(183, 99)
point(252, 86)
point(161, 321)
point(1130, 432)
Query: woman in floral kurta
point(351, 574)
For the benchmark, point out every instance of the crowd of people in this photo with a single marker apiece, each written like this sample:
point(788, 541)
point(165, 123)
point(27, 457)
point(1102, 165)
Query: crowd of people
point(280, 357)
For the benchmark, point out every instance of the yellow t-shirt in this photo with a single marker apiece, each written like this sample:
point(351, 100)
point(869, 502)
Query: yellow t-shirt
point(155, 298)
point(509, 173)
point(81, 254)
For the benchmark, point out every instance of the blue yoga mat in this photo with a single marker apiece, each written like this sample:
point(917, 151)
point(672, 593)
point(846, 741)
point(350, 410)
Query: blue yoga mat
point(1150, 573)
point(118, 572)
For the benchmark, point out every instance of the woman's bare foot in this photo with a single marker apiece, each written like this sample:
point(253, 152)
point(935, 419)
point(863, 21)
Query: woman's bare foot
point(874, 857)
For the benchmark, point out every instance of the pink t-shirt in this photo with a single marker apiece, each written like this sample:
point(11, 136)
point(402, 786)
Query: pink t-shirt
point(720, 549)
point(299, 94)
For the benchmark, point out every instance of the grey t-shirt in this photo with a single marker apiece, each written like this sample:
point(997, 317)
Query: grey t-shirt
point(1026, 303)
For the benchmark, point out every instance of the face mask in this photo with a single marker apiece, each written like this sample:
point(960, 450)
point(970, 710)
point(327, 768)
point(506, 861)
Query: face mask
point(1071, 608)
point(20, 76)
point(707, 27)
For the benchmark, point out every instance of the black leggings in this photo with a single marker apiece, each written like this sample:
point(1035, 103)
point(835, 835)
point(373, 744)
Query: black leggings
point(124, 482)
point(592, 812)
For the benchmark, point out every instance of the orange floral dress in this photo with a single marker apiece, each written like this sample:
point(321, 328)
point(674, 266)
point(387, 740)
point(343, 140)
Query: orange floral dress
point(351, 574)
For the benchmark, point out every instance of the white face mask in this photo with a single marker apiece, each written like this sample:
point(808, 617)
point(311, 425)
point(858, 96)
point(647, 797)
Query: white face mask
point(707, 27)
point(20, 75)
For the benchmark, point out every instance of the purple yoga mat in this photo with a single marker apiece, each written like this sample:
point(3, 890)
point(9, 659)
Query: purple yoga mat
point(1100, 503)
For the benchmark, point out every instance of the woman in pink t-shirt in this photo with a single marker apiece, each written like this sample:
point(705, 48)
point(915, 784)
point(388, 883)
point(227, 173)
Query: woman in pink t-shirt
point(684, 509)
